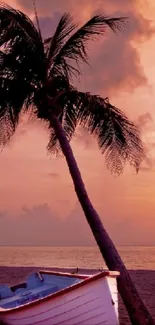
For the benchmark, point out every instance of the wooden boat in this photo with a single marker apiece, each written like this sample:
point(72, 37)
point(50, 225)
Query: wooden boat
point(86, 297)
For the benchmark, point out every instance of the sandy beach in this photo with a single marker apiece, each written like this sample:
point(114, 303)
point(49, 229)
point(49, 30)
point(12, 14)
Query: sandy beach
point(144, 280)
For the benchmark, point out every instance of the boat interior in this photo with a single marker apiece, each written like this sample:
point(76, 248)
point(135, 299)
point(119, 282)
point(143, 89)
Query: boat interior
point(38, 285)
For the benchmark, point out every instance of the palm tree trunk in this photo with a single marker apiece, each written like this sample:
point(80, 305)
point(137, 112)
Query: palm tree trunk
point(136, 309)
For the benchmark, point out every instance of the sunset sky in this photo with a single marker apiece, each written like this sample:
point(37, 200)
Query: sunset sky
point(36, 190)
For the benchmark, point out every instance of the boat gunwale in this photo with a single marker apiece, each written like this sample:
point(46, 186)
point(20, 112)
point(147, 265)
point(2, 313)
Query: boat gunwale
point(88, 279)
point(69, 275)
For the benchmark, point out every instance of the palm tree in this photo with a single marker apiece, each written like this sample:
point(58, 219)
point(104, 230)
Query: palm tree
point(38, 73)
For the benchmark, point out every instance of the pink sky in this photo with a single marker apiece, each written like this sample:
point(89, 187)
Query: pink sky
point(123, 67)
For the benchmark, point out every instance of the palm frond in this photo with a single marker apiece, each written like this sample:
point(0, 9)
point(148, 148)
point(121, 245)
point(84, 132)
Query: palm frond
point(118, 138)
point(74, 49)
point(18, 84)
point(11, 103)
point(20, 38)
point(53, 146)
point(12, 20)
point(55, 43)
point(22, 67)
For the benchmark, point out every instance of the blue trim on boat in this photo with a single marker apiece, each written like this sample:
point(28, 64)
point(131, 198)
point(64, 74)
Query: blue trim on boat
point(36, 287)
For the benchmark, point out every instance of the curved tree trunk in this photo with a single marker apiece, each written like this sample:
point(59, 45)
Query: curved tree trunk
point(137, 311)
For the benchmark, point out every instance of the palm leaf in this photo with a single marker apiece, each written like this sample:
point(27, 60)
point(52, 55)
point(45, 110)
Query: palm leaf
point(74, 49)
point(18, 84)
point(12, 21)
point(118, 138)
point(14, 93)
point(20, 39)
point(55, 43)
point(22, 67)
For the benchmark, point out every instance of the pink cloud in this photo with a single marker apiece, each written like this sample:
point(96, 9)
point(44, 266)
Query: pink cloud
point(115, 59)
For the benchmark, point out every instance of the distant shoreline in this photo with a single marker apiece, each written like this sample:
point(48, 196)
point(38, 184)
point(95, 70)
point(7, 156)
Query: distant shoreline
point(131, 245)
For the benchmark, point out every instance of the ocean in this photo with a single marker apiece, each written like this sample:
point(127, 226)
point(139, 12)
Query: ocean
point(17, 262)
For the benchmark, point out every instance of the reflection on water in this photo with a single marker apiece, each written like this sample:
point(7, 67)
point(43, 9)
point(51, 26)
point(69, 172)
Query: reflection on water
point(134, 257)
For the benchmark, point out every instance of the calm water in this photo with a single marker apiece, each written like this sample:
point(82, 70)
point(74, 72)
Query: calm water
point(134, 257)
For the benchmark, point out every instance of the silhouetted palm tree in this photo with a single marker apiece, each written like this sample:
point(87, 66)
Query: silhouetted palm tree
point(38, 73)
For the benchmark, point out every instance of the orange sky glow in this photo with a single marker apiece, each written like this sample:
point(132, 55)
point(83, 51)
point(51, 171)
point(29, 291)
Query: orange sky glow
point(32, 183)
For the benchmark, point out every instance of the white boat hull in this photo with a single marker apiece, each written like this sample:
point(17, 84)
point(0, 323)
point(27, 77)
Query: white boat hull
point(93, 303)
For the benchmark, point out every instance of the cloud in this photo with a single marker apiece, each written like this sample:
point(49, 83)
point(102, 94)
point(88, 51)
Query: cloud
point(116, 62)
point(40, 226)
point(53, 175)
point(146, 125)
point(144, 121)
point(32, 226)
point(115, 59)
point(148, 164)
point(3, 214)
point(85, 139)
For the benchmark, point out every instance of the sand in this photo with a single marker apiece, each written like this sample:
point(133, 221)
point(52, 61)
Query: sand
point(144, 280)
